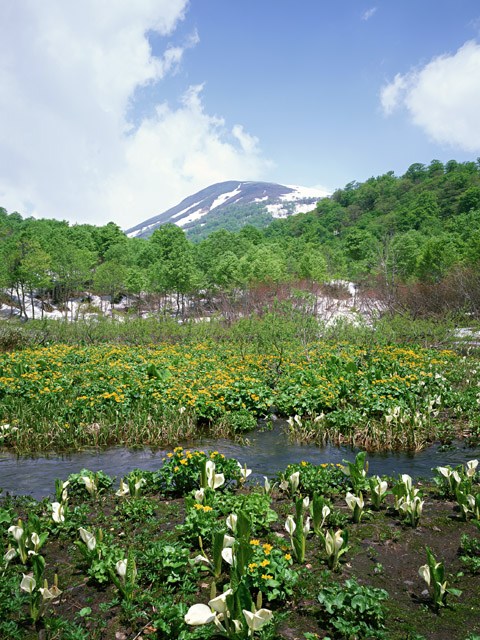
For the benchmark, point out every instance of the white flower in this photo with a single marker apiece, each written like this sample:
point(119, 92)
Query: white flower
point(325, 511)
point(219, 604)
point(58, 512)
point(306, 503)
point(424, 572)
point(16, 531)
point(121, 567)
point(407, 480)
point(227, 555)
point(354, 501)
point(244, 472)
point(232, 522)
point(295, 481)
point(35, 538)
point(306, 526)
point(333, 542)
point(88, 538)
point(215, 480)
point(267, 485)
point(124, 490)
point(89, 484)
point(257, 619)
point(471, 467)
point(290, 525)
point(28, 583)
point(200, 558)
point(9, 555)
point(199, 495)
point(228, 541)
point(381, 487)
point(445, 471)
point(199, 614)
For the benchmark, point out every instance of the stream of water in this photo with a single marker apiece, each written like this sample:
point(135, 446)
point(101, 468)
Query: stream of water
point(266, 452)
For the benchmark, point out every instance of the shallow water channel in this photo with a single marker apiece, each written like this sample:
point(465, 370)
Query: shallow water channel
point(265, 452)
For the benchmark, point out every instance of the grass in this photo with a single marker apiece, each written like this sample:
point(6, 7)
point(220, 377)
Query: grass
point(385, 397)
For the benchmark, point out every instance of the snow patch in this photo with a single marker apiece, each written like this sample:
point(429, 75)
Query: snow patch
point(196, 215)
point(177, 215)
point(304, 192)
point(277, 210)
point(225, 196)
point(304, 208)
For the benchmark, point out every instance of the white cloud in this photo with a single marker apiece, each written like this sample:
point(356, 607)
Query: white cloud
point(368, 14)
point(69, 71)
point(177, 152)
point(443, 97)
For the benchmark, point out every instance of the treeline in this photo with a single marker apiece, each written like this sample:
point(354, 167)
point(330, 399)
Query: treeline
point(410, 233)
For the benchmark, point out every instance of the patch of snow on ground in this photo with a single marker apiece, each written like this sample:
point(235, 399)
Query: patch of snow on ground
point(277, 210)
point(225, 196)
point(304, 192)
point(261, 199)
point(196, 215)
point(304, 208)
point(177, 215)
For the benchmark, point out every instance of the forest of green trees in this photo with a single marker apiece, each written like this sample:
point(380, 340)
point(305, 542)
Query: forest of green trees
point(419, 229)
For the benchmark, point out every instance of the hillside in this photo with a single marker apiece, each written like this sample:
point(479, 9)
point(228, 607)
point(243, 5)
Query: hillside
point(231, 205)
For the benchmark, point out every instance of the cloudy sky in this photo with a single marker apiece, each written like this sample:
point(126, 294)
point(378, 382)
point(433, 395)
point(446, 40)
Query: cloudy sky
point(117, 110)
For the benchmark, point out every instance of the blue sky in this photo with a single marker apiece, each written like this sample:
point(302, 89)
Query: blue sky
point(117, 112)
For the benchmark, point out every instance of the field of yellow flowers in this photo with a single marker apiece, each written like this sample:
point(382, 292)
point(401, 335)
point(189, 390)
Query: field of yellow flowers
point(63, 396)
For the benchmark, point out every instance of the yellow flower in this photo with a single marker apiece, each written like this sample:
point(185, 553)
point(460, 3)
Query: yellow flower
point(169, 455)
point(304, 464)
point(252, 565)
point(288, 556)
point(207, 508)
point(175, 469)
point(266, 576)
point(264, 563)
point(198, 506)
point(255, 542)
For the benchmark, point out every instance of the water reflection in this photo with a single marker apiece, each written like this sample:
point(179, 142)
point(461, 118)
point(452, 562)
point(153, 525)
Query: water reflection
point(265, 453)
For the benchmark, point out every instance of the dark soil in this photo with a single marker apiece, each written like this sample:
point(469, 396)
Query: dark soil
point(385, 553)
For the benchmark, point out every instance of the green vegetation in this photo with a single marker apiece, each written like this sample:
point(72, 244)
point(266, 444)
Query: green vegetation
point(103, 563)
point(65, 397)
point(415, 238)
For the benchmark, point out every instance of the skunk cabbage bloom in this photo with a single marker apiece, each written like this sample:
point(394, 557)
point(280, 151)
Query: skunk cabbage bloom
point(88, 538)
point(471, 467)
point(219, 604)
point(90, 485)
point(58, 514)
point(333, 542)
point(290, 525)
point(227, 555)
point(199, 495)
point(199, 614)
point(16, 531)
point(257, 619)
point(244, 472)
point(232, 522)
point(424, 572)
point(295, 481)
point(28, 583)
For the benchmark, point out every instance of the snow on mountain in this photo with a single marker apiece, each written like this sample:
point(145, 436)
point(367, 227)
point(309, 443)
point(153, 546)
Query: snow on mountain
point(231, 205)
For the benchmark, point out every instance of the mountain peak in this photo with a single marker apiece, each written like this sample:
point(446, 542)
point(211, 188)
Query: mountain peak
point(232, 205)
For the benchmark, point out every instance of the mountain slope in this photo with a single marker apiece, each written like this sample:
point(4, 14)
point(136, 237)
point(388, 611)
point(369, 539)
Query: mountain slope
point(231, 205)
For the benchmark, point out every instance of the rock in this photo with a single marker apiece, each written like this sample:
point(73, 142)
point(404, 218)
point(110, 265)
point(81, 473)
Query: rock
point(425, 592)
point(120, 635)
